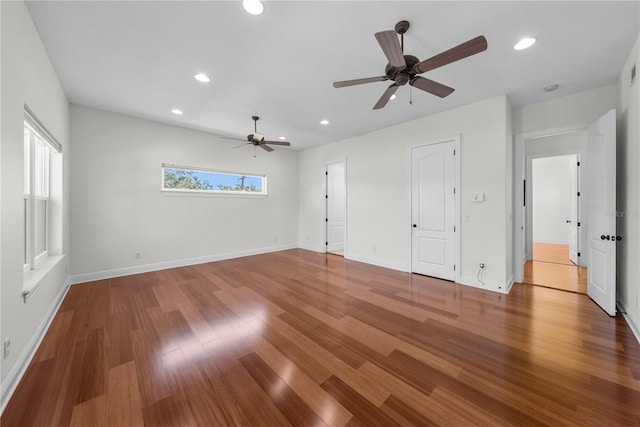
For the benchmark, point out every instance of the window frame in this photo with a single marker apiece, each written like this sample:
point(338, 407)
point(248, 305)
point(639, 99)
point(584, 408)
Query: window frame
point(38, 145)
point(208, 192)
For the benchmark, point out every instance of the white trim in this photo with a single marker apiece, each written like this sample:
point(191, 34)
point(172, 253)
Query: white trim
point(319, 249)
point(378, 262)
point(456, 143)
point(489, 285)
point(36, 277)
point(127, 271)
point(632, 325)
point(20, 366)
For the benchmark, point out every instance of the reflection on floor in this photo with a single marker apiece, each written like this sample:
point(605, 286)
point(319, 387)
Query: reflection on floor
point(341, 253)
point(552, 268)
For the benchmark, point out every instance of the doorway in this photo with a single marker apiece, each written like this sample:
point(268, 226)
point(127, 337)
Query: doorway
point(555, 222)
point(335, 208)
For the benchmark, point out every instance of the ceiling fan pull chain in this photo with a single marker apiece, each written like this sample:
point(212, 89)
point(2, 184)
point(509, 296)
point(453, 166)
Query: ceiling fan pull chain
point(410, 95)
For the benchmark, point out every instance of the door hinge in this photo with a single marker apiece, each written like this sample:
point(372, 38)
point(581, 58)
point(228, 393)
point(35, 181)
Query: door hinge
point(578, 253)
point(578, 163)
point(326, 173)
point(326, 219)
point(454, 267)
point(326, 196)
point(578, 224)
point(454, 190)
point(578, 194)
point(454, 152)
point(326, 243)
point(454, 228)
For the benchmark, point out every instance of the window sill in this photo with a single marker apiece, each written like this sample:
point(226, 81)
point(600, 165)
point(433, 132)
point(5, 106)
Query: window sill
point(201, 193)
point(36, 277)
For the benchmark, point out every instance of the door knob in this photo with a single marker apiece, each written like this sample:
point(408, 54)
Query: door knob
point(618, 238)
point(415, 225)
point(604, 237)
point(568, 221)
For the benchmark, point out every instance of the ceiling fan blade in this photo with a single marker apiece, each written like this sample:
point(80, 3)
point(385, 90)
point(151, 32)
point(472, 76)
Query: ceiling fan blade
point(386, 96)
point(388, 41)
point(285, 143)
point(466, 49)
point(265, 147)
point(359, 81)
point(435, 88)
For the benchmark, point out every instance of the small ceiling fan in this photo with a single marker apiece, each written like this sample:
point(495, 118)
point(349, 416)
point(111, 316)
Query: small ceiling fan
point(257, 139)
point(403, 69)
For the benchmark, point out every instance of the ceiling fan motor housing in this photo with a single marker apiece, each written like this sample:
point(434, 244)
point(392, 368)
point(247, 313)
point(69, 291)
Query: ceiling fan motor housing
point(402, 76)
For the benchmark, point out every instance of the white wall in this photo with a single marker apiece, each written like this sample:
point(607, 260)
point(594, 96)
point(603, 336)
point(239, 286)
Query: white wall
point(118, 209)
point(551, 199)
point(628, 182)
point(27, 79)
point(584, 107)
point(378, 190)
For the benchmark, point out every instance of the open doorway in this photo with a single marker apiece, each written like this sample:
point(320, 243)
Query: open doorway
point(554, 225)
point(336, 208)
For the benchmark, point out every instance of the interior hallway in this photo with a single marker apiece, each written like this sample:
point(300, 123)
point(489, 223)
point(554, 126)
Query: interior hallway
point(551, 268)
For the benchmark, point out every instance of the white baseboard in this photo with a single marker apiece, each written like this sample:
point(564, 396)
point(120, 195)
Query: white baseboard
point(14, 376)
point(489, 285)
point(380, 263)
point(312, 248)
point(127, 271)
point(632, 325)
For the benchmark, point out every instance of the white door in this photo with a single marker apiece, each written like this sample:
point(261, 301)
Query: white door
point(574, 217)
point(601, 170)
point(433, 212)
point(336, 207)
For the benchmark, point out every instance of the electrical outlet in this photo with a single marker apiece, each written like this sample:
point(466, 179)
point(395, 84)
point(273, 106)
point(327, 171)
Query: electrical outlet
point(6, 348)
point(138, 255)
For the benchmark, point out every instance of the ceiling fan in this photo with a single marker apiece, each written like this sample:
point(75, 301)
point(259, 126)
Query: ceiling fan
point(257, 139)
point(403, 69)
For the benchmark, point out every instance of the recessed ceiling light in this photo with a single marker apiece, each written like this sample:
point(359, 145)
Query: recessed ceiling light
point(324, 122)
point(392, 97)
point(282, 138)
point(254, 7)
point(551, 88)
point(202, 77)
point(525, 43)
point(177, 112)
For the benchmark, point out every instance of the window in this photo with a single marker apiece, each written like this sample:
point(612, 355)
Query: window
point(38, 148)
point(180, 178)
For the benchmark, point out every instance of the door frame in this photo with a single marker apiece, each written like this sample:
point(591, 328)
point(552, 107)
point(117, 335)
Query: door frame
point(458, 155)
point(528, 228)
point(519, 178)
point(325, 168)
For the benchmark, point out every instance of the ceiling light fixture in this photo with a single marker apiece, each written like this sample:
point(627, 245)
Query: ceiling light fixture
point(525, 43)
point(324, 122)
point(177, 112)
point(202, 77)
point(254, 7)
point(282, 137)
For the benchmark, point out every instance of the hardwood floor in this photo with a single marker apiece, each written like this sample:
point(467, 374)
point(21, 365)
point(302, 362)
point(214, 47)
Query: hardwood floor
point(552, 268)
point(307, 339)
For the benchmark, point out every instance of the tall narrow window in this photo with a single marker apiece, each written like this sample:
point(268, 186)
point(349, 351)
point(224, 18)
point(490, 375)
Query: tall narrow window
point(38, 145)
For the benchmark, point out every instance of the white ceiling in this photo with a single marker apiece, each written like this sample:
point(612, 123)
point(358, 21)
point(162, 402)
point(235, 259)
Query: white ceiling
point(139, 58)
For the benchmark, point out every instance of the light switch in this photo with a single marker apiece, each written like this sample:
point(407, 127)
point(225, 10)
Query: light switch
point(478, 197)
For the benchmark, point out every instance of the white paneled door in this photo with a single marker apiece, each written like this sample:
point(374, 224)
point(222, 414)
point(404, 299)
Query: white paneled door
point(336, 206)
point(433, 210)
point(601, 170)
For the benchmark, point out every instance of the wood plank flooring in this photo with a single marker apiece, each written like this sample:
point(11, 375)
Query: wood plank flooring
point(552, 268)
point(306, 339)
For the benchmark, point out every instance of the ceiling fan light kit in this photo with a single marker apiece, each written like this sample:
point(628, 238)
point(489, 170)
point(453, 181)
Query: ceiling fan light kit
point(403, 69)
